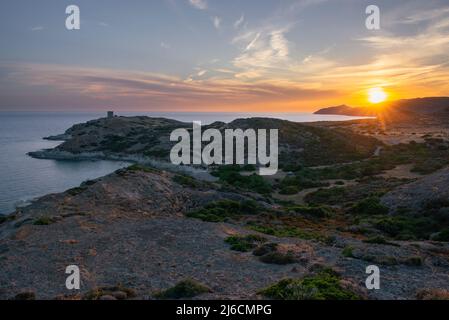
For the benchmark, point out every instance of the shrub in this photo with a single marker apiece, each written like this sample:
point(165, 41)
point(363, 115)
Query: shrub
point(289, 190)
point(43, 221)
point(231, 175)
point(406, 227)
point(348, 252)
point(323, 286)
point(245, 243)
point(380, 240)
point(76, 191)
point(185, 289)
point(249, 167)
point(370, 206)
point(186, 181)
point(7, 218)
point(222, 210)
point(331, 196)
point(97, 293)
point(287, 232)
point(442, 236)
point(88, 183)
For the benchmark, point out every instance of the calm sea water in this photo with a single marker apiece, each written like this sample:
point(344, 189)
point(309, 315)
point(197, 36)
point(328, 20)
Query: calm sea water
point(23, 178)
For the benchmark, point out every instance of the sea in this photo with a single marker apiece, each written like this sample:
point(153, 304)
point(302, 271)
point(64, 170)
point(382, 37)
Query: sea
point(23, 178)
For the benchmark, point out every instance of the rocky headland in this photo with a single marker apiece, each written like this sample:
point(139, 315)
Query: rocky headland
point(337, 205)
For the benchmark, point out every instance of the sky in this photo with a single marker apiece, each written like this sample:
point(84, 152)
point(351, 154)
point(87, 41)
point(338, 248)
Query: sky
point(217, 56)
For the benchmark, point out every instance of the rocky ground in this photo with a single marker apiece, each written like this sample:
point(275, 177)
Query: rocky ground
point(142, 230)
point(129, 230)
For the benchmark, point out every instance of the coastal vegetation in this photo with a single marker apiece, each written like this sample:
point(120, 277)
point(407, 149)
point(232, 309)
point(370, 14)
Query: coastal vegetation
point(232, 175)
point(225, 209)
point(118, 292)
point(325, 285)
point(185, 289)
point(245, 243)
point(43, 221)
point(324, 208)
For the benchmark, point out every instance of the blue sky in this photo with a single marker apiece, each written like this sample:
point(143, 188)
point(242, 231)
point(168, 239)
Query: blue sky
point(216, 55)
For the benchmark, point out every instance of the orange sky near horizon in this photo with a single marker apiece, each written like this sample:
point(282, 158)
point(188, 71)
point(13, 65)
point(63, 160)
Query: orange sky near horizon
point(221, 56)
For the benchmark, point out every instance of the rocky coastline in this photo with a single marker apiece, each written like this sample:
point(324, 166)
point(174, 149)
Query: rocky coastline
point(143, 230)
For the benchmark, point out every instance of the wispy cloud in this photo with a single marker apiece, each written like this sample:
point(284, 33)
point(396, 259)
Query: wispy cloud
point(199, 4)
point(419, 51)
point(37, 28)
point(239, 22)
point(217, 22)
point(262, 50)
point(151, 91)
point(424, 15)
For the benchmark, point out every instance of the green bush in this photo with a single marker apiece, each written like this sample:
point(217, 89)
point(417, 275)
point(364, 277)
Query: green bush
point(43, 221)
point(76, 191)
point(88, 183)
point(348, 252)
point(183, 290)
point(225, 209)
point(249, 168)
point(442, 236)
point(245, 243)
point(370, 206)
point(323, 286)
point(97, 293)
point(231, 175)
point(289, 190)
point(186, 181)
point(331, 196)
point(304, 179)
point(6, 218)
point(406, 227)
point(139, 167)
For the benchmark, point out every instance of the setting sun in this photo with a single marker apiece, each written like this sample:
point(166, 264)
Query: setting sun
point(377, 95)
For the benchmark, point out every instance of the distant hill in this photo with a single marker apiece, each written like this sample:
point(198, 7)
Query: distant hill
point(346, 111)
point(399, 108)
point(150, 137)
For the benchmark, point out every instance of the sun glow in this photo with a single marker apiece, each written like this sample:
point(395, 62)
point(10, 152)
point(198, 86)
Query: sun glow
point(377, 95)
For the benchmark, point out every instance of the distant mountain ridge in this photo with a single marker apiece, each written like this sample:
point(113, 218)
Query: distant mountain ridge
point(423, 106)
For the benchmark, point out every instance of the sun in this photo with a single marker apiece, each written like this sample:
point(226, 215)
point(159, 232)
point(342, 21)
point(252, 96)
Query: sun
point(377, 95)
